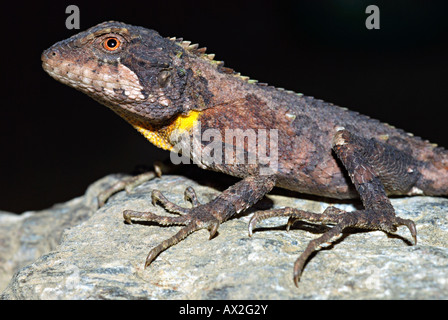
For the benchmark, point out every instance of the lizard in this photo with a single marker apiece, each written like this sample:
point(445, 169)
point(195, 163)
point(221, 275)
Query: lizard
point(169, 89)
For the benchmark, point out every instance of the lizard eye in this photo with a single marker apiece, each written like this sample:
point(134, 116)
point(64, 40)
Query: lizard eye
point(111, 43)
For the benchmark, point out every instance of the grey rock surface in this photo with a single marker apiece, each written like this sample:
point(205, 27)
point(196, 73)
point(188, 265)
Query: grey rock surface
point(102, 257)
point(25, 237)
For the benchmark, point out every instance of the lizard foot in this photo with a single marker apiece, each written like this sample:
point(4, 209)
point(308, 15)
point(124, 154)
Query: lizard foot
point(129, 183)
point(365, 219)
point(196, 218)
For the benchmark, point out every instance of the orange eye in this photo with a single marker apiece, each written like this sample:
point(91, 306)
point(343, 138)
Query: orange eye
point(111, 43)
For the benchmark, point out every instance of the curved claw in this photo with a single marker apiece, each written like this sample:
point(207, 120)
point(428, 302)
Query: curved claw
point(127, 215)
point(290, 222)
point(158, 168)
point(213, 228)
point(410, 225)
point(297, 274)
point(156, 196)
point(252, 223)
point(190, 195)
point(150, 258)
point(299, 265)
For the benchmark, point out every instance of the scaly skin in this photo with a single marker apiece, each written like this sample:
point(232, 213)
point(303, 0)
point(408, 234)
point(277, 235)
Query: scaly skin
point(168, 89)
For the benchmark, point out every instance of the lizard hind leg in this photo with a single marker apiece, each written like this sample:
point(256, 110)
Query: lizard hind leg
point(368, 164)
point(332, 215)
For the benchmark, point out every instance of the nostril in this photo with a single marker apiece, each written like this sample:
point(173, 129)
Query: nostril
point(49, 54)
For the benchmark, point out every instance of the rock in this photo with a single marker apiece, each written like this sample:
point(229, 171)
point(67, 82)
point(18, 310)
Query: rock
point(103, 258)
point(25, 237)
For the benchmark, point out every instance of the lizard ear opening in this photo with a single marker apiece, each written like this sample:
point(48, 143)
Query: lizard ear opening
point(164, 78)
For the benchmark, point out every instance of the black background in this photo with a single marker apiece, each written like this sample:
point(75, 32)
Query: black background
point(55, 141)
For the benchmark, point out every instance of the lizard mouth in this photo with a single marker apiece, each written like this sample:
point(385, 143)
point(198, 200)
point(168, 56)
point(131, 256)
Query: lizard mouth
point(67, 72)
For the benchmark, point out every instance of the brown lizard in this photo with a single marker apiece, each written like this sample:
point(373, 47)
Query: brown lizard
point(183, 100)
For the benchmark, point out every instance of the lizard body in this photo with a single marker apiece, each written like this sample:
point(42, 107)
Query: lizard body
point(168, 89)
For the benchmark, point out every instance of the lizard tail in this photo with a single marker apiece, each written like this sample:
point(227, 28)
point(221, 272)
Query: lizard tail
point(434, 174)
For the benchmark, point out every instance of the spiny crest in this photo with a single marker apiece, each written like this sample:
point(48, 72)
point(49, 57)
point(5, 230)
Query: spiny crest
point(201, 52)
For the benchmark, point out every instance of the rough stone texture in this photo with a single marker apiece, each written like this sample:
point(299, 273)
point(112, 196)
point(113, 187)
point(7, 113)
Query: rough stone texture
point(102, 257)
point(25, 237)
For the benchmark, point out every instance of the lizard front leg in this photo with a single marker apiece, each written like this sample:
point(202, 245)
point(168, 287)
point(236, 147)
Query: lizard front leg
point(129, 183)
point(235, 199)
point(371, 166)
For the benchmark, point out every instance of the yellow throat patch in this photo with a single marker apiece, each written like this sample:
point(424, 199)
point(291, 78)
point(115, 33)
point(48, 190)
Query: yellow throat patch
point(160, 137)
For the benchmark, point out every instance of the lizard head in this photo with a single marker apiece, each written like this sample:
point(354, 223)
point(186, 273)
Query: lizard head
point(130, 69)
